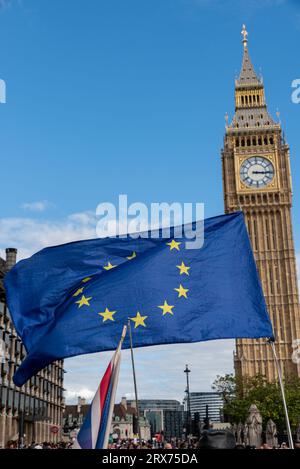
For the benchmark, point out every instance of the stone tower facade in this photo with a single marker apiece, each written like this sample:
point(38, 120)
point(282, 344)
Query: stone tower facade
point(257, 180)
point(34, 411)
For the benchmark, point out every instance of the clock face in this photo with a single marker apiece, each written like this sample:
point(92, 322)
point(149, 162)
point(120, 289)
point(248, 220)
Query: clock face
point(257, 172)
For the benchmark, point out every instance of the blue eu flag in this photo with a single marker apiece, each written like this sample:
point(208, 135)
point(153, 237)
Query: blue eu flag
point(75, 298)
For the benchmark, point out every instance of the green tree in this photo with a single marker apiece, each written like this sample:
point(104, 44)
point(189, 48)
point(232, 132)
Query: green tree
point(238, 396)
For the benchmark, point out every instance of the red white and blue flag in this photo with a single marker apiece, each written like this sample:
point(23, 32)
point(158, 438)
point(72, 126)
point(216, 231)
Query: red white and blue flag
point(95, 430)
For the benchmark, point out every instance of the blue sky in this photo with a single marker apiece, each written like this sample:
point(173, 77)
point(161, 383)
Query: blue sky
point(129, 97)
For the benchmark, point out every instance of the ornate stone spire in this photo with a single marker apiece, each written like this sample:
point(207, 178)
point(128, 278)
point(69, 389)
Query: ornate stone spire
point(247, 75)
point(250, 103)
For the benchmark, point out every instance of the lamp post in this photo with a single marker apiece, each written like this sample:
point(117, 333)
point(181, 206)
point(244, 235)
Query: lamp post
point(206, 420)
point(188, 426)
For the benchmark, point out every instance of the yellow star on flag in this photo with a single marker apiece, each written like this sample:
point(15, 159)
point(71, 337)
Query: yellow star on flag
point(109, 266)
point(87, 279)
point(133, 255)
point(184, 269)
point(174, 245)
point(80, 290)
point(166, 308)
point(83, 301)
point(107, 315)
point(181, 291)
point(139, 320)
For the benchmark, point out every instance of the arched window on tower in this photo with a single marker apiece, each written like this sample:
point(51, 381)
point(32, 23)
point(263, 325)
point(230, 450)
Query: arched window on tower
point(273, 232)
point(277, 278)
point(267, 234)
point(271, 280)
point(255, 237)
point(248, 224)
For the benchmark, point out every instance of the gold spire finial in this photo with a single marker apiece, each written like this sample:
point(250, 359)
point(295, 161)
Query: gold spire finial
point(226, 119)
point(244, 33)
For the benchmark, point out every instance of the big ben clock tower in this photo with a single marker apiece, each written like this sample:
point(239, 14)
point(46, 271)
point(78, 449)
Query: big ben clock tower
point(257, 180)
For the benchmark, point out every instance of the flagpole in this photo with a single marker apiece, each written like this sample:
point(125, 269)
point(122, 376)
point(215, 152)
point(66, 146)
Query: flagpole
point(114, 390)
point(287, 420)
point(134, 382)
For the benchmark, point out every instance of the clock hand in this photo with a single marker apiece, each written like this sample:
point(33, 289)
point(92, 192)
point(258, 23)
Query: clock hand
point(261, 172)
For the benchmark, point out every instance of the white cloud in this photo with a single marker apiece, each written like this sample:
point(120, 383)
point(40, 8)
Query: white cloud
point(30, 235)
point(73, 394)
point(39, 206)
point(159, 369)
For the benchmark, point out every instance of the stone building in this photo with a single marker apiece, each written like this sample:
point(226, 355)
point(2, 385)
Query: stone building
point(34, 411)
point(122, 422)
point(123, 425)
point(257, 180)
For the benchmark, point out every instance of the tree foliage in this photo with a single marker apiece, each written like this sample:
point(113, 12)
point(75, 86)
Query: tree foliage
point(239, 395)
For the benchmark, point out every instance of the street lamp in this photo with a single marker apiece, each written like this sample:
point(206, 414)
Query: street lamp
point(188, 426)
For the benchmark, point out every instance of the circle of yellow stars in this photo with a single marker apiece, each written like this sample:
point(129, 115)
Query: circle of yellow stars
point(138, 320)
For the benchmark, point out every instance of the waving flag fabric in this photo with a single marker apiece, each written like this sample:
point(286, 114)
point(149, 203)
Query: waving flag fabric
point(95, 430)
point(75, 298)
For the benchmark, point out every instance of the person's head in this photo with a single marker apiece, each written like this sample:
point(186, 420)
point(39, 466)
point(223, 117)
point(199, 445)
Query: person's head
point(168, 446)
point(217, 439)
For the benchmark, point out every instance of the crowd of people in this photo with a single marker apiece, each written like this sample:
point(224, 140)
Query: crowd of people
point(44, 445)
point(191, 444)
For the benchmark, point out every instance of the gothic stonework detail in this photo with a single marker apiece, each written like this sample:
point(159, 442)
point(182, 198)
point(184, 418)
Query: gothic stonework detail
point(257, 180)
point(34, 411)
